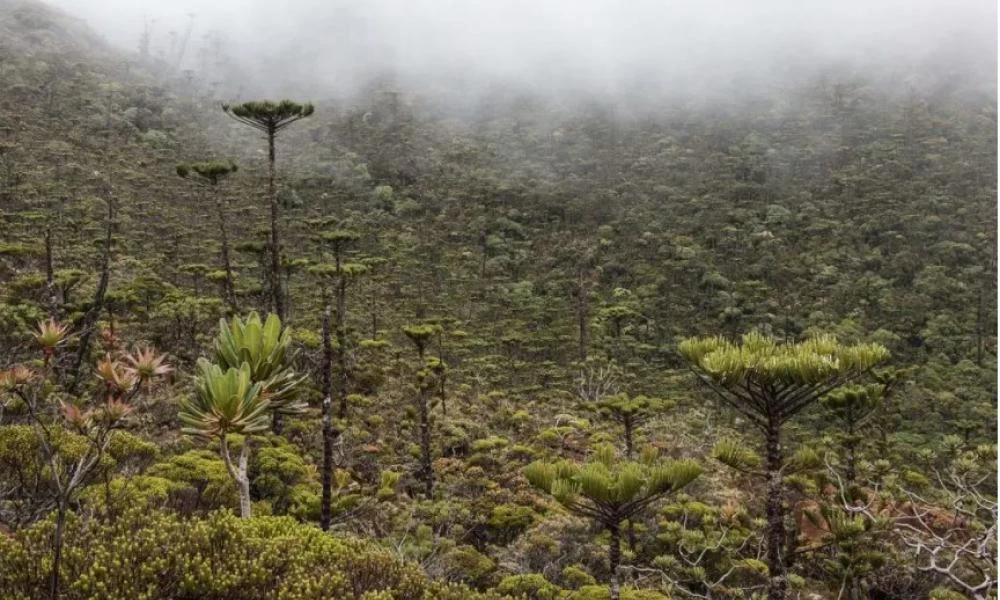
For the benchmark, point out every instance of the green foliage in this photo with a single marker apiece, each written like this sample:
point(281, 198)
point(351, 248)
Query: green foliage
point(735, 455)
point(563, 237)
point(198, 481)
point(226, 402)
point(760, 359)
point(607, 490)
point(156, 555)
point(420, 334)
point(268, 115)
point(266, 349)
point(530, 587)
point(287, 481)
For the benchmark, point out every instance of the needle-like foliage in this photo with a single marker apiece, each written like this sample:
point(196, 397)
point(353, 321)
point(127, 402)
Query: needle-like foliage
point(770, 381)
point(609, 491)
point(268, 115)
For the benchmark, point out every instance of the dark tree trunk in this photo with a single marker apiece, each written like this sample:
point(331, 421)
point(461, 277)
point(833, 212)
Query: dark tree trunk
point(230, 288)
point(851, 448)
point(775, 513)
point(629, 446)
point(425, 445)
point(329, 434)
point(341, 341)
point(374, 310)
point(426, 468)
point(850, 476)
point(442, 394)
point(581, 317)
point(484, 247)
point(50, 282)
point(90, 318)
point(629, 455)
point(57, 544)
point(614, 560)
point(277, 297)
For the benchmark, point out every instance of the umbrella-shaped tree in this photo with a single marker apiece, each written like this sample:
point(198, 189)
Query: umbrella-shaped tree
point(421, 335)
point(271, 117)
point(210, 174)
point(769, 383)
point(610, 492)
point(853, 407)
point(339, 274)
point(631, 412)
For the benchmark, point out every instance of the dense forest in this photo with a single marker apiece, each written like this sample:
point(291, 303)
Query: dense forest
point(523, 348)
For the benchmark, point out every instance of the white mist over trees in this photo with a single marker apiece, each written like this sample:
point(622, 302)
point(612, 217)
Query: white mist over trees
point(560, 47)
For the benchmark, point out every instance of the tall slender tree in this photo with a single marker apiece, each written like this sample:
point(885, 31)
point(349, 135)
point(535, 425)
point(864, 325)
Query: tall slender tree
point(421, 335)
point(210, 174)
point(631, 412)
point(271, 117)
point(769, 383)
point(339, 273)
point(343, 271)
point(852, 408)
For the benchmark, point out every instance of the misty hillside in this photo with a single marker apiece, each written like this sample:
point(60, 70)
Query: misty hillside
point(687, 336)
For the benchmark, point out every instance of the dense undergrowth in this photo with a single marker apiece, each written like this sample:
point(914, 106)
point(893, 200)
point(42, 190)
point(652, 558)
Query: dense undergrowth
point(515, 286)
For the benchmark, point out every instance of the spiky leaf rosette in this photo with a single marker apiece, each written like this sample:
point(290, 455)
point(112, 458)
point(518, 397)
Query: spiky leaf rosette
point(769, 380)
point(266, 348)
point(226, 401)
point(50, 334)
point(610, 491)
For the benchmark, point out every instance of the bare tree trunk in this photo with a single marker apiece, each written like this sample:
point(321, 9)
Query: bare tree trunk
point(239, 474)
point(614, 560)
point(775, 513)
point(629, 444)
point(581, 316)
point(851, 448)
point(244, 480)
point(328, 431)
point(425, 445)
point(57, 545)
point(230, 290)
point(341, 342)
point(374, 311)
point(50, 283)
point(442, 378)
point(90, 318)
point(277, 297)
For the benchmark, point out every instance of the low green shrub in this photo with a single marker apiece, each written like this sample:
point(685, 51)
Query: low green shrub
point(152, 555)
